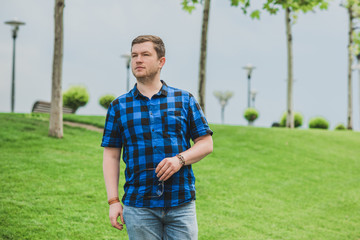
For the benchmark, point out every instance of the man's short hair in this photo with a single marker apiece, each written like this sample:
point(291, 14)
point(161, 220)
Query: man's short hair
point(159, 45)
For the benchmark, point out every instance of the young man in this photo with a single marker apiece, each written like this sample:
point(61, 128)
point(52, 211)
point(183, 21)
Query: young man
point(153, 123)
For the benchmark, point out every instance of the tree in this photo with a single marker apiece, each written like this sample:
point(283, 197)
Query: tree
point(203, 47)
point(56, 117)
point(189, 5)
point(251, 114)
point(106, 100)
point(352, 7)
point(357, 53)
point(75, 97)
point(223, 98)
point(292, 7)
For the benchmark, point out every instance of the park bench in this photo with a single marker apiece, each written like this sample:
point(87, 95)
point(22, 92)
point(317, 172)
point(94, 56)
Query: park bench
point(44, 107)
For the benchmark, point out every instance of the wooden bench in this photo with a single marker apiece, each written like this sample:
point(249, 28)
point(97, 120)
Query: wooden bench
point(44, 107)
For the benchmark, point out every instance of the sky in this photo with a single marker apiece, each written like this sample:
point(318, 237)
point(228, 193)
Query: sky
point(97, 33)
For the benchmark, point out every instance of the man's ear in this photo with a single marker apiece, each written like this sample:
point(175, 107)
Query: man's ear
point(162, 62)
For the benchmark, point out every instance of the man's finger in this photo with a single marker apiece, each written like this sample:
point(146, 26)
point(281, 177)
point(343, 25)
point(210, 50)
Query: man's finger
point(162, 170)
point(115, 224)
point(118, 226)
point(169, 172)
point(122, 218)
point(160, 165)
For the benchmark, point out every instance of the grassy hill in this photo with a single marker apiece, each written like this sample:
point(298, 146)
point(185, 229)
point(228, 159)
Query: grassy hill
point(259, 183)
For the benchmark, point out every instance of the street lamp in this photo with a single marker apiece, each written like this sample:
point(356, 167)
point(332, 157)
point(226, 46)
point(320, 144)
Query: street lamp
point(15, 27)
point(253, 96)
point(128, 60)
point(249, 68)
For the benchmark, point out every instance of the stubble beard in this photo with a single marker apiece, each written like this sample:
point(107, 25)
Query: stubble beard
point(148, 78)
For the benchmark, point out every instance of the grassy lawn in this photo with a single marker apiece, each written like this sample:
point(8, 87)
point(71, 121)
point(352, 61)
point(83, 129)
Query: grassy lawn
point(97, 121)
point(259, 183)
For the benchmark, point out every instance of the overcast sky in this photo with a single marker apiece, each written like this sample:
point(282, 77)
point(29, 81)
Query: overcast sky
point(97, 33)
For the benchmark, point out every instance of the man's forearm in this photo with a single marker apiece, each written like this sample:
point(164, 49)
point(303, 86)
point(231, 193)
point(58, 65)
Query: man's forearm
point(111, 165)
point(201, 148)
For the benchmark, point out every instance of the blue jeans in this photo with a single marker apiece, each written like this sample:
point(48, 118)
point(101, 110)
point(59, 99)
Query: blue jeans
point(173, 223)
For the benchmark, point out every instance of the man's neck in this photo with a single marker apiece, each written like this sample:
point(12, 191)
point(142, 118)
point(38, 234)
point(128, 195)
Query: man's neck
point(149, 87)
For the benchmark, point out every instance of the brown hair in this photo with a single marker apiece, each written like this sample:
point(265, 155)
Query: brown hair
point(158, 43)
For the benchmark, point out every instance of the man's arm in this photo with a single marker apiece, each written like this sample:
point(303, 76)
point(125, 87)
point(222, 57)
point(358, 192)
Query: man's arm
point(111, 169)
point(202, 146)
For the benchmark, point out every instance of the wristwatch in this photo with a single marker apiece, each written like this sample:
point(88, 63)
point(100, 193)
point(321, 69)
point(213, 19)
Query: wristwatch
point(181, 159)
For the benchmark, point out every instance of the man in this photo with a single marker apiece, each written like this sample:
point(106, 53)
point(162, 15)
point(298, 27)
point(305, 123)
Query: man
point(153, 123)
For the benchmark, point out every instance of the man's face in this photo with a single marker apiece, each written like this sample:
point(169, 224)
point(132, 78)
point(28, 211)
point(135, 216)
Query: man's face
point(144, 60)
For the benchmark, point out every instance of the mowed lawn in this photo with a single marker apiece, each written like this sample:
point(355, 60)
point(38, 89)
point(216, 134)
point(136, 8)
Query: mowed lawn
point(259, 183)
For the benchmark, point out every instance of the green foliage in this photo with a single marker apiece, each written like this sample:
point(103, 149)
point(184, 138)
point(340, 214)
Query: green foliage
point(273, 6)
point(356, 43)
point(319, 122)
point(189, 5)
point(105, 100)
point(255, 14)
point(340, 127)
point(75, 97)
point(298, 120)
point(251, 114)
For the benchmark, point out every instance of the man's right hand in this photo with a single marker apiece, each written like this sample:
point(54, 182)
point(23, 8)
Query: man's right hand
point(115, 211)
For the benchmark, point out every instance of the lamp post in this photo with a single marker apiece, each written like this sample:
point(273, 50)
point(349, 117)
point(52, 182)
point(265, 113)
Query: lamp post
point(253, 96)
point(15, 27)
point(128, 60)
point(249, 68)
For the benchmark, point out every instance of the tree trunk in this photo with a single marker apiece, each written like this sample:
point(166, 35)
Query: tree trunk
point(222, 114)
point(202, 69)
point(56, 115)
point(290, 111)
point(350, 62)
point(358, 61)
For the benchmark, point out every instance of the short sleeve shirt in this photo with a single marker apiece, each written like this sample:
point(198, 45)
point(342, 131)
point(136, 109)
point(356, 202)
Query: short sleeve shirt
point(150, 130)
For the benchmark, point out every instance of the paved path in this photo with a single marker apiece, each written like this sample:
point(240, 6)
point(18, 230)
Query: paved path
point(83, 125)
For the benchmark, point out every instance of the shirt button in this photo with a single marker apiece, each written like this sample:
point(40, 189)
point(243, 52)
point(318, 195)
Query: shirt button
point(153, 130)
point(151, 113)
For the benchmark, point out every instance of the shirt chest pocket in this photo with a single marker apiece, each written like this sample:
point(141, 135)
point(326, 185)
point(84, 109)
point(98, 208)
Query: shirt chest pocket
point(171, 123)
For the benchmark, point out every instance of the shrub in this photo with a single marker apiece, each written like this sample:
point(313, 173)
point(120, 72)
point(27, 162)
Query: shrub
point(319, 122)
point(75, 97)
point(298, 120)
point(275, 124)
point(340, 127)
point(105, 100)
point(251, 114)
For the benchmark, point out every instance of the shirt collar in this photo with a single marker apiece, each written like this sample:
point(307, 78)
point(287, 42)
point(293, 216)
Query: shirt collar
point(163, 91)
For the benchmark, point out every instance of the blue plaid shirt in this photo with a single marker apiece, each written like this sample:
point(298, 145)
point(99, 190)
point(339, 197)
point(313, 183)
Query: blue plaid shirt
point(150, 130)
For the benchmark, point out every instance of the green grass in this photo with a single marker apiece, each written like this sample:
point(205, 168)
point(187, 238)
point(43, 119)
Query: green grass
point(259, 183)
point(97, 121)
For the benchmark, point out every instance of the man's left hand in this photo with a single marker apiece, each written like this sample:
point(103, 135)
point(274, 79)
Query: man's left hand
point(167, 167)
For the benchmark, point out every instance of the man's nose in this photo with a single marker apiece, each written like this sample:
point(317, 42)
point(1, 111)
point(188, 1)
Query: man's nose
point(138, 59)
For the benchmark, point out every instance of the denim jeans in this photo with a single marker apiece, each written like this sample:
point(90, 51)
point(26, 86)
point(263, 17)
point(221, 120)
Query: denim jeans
point(173, 223)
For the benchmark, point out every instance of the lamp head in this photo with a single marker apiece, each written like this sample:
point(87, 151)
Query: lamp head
point(249, 68)
point(15, 23)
